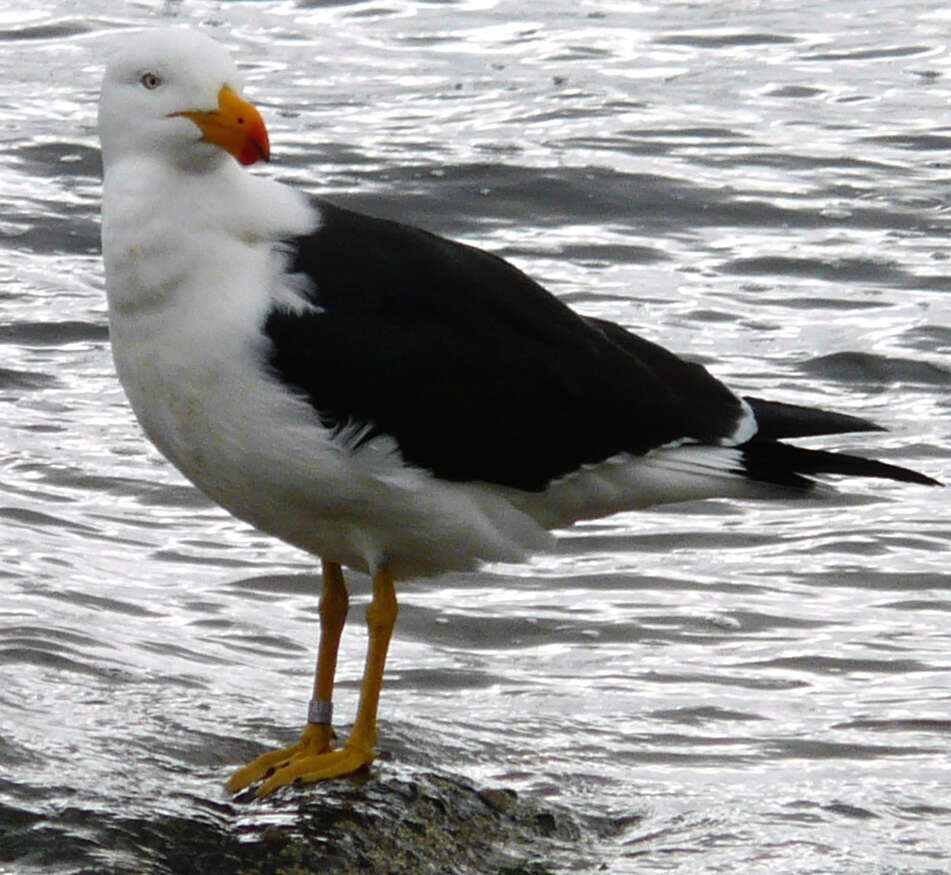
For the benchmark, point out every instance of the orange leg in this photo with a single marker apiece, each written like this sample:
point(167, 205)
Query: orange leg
point(311, 758)
point(334, 604)
point(316, 737)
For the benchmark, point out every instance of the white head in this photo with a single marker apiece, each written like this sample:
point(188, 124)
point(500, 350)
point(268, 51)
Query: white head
point(173, 94)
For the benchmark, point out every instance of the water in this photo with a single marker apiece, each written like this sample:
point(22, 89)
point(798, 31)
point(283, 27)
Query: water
point(721, 686)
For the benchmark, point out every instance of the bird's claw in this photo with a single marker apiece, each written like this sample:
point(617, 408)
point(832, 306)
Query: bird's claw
point(314, 740)
point(311, 759)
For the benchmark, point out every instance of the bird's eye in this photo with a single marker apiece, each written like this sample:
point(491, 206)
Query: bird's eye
point(150, 81)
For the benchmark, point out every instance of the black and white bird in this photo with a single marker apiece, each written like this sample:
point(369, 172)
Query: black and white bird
point(381, 397)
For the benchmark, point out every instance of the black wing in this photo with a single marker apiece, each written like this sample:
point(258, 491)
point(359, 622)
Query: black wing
point(474, 369)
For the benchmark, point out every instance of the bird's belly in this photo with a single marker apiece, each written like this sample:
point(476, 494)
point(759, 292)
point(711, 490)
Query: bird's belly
point(250, 447)
point(262, 454)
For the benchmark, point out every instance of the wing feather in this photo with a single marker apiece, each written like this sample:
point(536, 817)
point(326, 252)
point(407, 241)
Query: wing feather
point(475, 370)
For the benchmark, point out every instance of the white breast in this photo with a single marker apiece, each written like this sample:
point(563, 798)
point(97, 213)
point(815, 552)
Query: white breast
point(190, 281)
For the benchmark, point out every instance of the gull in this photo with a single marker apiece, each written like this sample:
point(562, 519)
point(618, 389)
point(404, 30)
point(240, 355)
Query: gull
point(383, 398)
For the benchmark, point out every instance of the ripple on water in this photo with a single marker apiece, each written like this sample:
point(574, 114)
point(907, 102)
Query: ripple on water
point(718, 686)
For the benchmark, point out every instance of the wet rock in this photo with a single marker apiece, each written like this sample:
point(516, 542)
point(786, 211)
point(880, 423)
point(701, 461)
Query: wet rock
point(431, 823)
point(427, 823)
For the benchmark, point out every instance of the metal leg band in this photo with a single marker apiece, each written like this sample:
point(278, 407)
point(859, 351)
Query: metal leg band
point(320, 711)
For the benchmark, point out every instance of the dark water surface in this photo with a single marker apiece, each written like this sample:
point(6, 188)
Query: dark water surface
point(717, 687)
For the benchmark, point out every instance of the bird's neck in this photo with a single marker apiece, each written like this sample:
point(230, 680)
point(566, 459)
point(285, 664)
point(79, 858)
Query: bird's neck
point(156, 219)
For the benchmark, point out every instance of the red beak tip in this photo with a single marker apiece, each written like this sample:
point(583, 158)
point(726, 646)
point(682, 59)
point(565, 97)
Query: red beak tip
point(255, 150)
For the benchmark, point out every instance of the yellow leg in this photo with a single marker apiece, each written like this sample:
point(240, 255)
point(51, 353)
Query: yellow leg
point(381, 617)
point(317, 736)
point(333, 612)
point(311, 758)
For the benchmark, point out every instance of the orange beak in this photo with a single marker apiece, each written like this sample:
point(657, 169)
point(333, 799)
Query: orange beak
point(236, 126)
